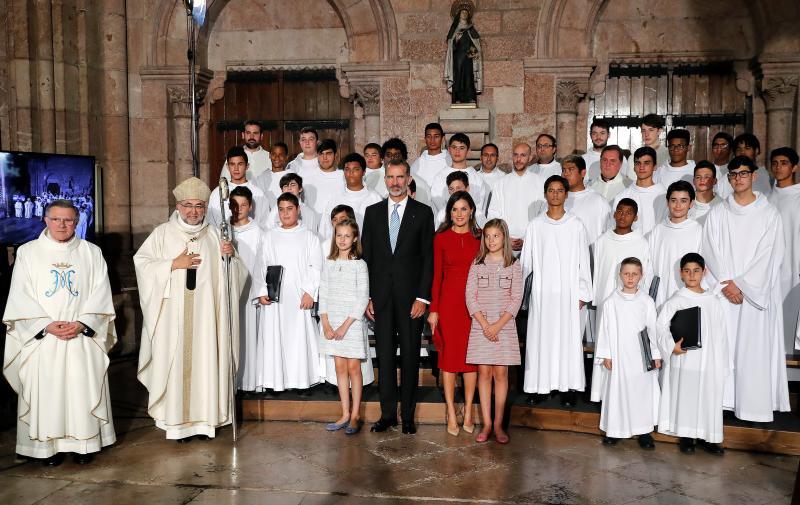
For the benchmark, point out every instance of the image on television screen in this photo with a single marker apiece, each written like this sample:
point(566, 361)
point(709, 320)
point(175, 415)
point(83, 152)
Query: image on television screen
point(29, 181)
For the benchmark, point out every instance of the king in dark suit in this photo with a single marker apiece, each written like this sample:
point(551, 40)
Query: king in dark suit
point(398, 248)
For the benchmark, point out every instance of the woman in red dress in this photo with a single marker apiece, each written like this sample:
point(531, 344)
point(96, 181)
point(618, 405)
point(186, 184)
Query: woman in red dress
point(455, 246)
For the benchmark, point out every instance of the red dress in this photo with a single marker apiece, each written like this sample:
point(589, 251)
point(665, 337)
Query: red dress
point(453, 254)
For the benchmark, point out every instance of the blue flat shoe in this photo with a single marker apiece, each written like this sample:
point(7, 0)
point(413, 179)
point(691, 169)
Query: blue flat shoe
point(336, 427)
point(352, 430)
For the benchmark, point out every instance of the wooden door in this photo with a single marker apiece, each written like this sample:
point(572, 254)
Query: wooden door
point(284, 102)
point(700, 98)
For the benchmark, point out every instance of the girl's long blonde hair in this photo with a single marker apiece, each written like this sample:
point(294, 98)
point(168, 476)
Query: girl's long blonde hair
point(508, 254)
point(355, 252)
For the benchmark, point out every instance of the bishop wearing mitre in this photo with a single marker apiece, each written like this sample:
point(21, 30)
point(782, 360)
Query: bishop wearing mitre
point(185, 361)
point(60, 326)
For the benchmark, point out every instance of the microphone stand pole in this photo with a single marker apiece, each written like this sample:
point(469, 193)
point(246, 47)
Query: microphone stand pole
point(190, 54)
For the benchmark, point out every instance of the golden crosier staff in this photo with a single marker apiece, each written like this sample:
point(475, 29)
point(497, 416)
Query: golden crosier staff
point(225, 233)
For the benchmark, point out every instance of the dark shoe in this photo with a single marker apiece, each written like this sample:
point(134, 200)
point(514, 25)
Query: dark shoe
point(535, 399)
point(710, 448)
point(184, 440)
point(201, 437)
point(54, 460)
point(409, 428)
point(568, 399)
point(646, 441)
point(82, 459)
point(304, 393)
point(330, 390)
point(610, 441)
point(686, 445)
point(383, 424)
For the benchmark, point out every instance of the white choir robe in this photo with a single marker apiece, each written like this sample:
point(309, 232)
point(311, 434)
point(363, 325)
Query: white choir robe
point(300, 164)
point(308, 217)
point(630, 394)
point(258, 162)
point(247, 241)
point(610, 189)
point(592, 160)
point(515, 200)
point(426, 166)
point(652, 202)
point(327, 363)
point(374, 179)
point(666, 174)
point(593, 211)
point(28, 209)
point(423, 194)
point(669, 242)
point(662, 156)
point(477, 189)
point(320, 186)
point(288, 355)
point(557, 253)
point(745, 244)
point(63, 402)
point(693, 383)
point(358, 200)
point(723, 187)
point(185, 359)
point(787, 201)
point(490, 181)
point(699, 209)
point(546, 170)
point(269, 183)
point(259, 211)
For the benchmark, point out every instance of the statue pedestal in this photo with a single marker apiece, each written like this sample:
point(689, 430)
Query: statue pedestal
point(474, 122)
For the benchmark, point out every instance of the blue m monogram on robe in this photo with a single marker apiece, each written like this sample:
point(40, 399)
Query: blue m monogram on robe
point(62, 278)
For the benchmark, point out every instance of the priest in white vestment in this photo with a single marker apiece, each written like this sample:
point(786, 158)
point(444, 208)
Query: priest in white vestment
point(354, 194)
point(743, 246)
point(785, 197)
point(489, 171)
point(556, 252)
point(610, 181)
point(186, 360)
point(237, 164)
point(288, 355)
point(259, 159)
point(647, 194)
point(59, 327)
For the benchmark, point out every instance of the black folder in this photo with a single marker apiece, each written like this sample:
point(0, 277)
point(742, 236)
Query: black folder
point(526, 292)
point(685, 324)
point(274, 280)
point(647, 354)
point(654, 287)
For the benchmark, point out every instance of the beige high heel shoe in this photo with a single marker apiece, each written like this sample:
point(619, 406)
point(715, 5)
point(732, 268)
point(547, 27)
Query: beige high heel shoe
point(447, 426)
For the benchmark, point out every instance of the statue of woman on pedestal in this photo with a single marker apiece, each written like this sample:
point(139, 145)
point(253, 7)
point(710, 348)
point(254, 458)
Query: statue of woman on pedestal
point(463, 69)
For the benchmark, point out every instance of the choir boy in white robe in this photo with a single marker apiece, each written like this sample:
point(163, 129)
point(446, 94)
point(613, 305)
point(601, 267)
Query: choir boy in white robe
point(647, 194)
point(293, 183)
point(237, 165)
point(28, 209)
point(705, 180)
point(693, 380)
point(186, 358)
point(546, 164)
point(672, 238)
point(327, 363)
point(518, 196)
point(651, 129)
point(458, 147)
point(611, 181)
point(288, 354)
point(556, 252)
point(247, 237)
point(722, 152)
point(630, 392)
point(679, 167)
point(373, 178)
point(269, 181)
point(325, 180)
point(743, 244)
point(307, 158)
point(747, 144)
point(354, 194)
point(785, 197)
point(60, 325)
point(259, 158)
point(433, 159)
point(457, 180)
point(591, 208)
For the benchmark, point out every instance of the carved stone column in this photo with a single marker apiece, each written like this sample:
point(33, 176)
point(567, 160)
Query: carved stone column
point(568, 94)
point(368, 95)
point(780, 97)
point(180, 131)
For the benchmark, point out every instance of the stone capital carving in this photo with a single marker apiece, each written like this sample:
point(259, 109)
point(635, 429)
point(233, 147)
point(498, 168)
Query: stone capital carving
point(369, 97)
point(568, 94)
point(780, 91)
point(180, 99)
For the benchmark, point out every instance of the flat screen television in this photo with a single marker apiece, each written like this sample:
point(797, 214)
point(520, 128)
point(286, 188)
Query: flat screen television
point(29, 181)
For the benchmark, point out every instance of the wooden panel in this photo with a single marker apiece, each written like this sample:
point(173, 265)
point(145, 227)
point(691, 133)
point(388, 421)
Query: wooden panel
point(624, 96)
point(637, 96)
point(662, 107)
point(650, 103)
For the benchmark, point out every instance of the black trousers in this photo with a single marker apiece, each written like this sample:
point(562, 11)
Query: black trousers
point(394, 328)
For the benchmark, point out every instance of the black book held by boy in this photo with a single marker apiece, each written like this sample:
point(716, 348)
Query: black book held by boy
point(274, 280)
point(685, 324)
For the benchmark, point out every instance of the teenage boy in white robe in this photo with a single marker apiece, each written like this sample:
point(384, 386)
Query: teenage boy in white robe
point(269, 180)
point(59, 326)
point(693, 380)
point(649, 195)
point(743, 244)
point(288, 355)
point(373, 177)
point(556, 252)
point(747, 144)
point(355, 194)
point(546, 163)
point(705, 180)
point(259, 158)
point(322, 182)
point(672, 238)
point(458, 147)
point(651, 128)
point(293, 183)
point(721, 153)
point(677, 167)
point(630, 392)
point(247, 238)
point(237, 165)
point(306, 159)
point(433, 159)
point(591, 208)
point(785, 197)
point(456, 181)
